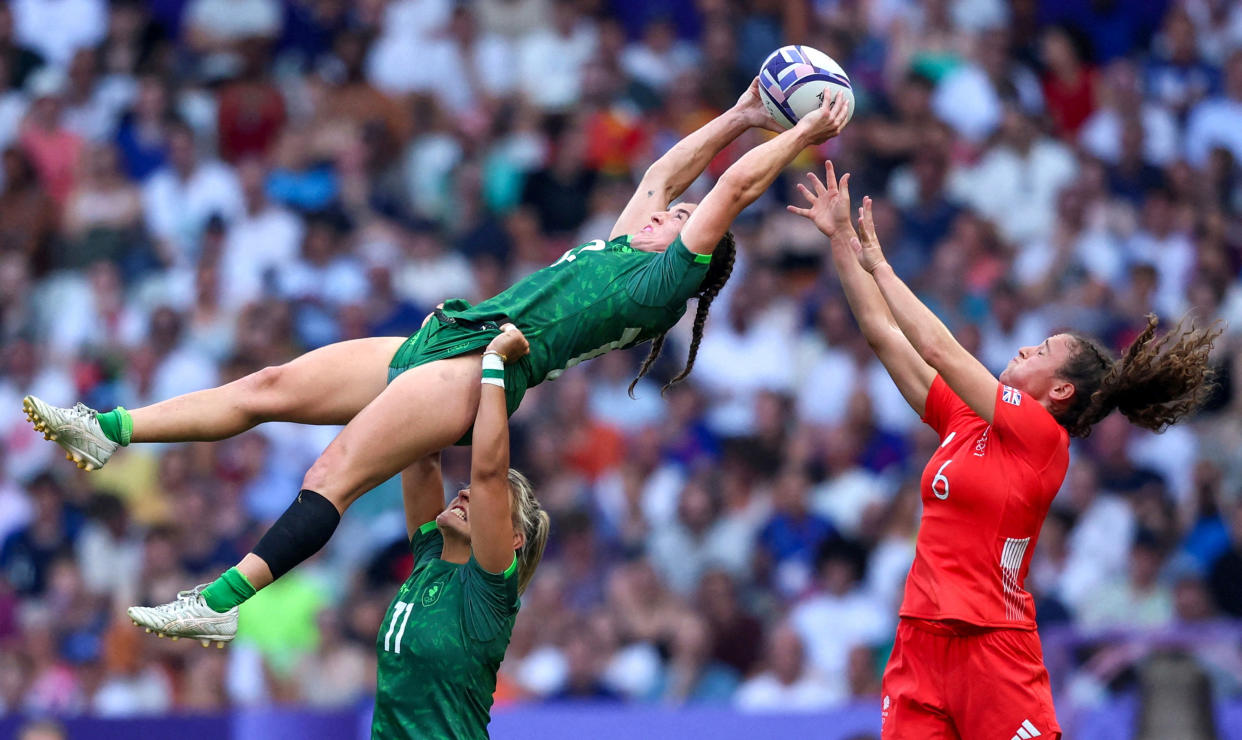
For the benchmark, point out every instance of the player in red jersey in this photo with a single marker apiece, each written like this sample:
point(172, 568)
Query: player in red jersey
point(967, 661)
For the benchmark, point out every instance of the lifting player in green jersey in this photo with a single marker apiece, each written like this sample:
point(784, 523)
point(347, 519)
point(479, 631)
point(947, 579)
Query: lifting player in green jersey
point(404, 399)
point(447, 629)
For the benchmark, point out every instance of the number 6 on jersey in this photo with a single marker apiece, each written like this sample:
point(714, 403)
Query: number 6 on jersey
point(941, 479)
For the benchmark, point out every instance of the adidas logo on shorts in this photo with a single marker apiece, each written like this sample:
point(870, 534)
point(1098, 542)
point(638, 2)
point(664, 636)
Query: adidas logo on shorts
point(1026, 731)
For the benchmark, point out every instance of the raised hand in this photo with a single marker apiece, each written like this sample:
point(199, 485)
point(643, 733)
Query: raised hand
point(827, 120)
point(750, 106)
point(830, 204)
point(870, 256)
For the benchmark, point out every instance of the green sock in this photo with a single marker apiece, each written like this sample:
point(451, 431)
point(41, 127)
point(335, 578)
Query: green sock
point(116, 425)
point(227, 591)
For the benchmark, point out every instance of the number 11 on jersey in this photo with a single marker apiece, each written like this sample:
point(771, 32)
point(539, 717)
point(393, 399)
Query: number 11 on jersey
point(402, 613)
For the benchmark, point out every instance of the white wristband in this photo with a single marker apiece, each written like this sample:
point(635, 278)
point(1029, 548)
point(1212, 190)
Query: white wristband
point(493, 369)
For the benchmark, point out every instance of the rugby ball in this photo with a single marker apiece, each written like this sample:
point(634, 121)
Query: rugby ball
point(794, 80)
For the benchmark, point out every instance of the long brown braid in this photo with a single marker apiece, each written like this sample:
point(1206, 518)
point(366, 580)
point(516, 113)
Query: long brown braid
point(1156, 382)
point(718, 273)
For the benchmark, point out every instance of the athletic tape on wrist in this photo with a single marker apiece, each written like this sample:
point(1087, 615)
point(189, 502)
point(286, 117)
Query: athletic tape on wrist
point(493, 370)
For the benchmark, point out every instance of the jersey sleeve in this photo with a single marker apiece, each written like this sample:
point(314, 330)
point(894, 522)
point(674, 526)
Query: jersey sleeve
point(943, 407)
point(426, 544)
point(671, 277)
point(1026, 428)
point(491, 599)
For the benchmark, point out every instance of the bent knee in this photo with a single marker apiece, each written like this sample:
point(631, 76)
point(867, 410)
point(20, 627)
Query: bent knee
point(264, 396)
point(335, 477)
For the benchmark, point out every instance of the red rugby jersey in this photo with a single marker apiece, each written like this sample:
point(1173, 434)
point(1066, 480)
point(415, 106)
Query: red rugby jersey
point(985, 494)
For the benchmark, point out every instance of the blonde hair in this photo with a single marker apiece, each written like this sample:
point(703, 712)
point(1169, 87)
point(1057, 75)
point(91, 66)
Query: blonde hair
point(533, 521)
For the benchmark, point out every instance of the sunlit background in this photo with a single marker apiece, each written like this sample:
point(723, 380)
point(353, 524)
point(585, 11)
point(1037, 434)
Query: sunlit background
point(195, 189)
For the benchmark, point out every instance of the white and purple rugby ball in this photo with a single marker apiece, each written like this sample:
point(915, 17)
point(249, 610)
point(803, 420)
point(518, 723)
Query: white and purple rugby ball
point(794, 80)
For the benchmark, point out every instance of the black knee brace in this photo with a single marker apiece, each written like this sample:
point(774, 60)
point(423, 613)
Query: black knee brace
point(300, 532)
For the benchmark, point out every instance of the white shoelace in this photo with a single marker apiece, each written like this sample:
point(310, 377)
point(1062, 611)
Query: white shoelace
point(184, 599)
point(82, 411)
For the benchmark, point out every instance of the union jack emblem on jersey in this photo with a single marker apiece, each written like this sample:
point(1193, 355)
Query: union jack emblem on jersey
point(1011, 395)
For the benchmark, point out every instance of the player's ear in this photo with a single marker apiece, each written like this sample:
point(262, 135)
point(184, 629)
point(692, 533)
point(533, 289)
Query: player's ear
point(1062, 390)
point(519, 539)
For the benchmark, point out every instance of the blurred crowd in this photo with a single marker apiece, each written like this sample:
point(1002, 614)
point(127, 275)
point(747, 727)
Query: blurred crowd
point(191, 190)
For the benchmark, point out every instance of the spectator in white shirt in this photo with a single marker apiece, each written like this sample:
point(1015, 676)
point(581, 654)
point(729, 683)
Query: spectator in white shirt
point(58, 28)
point(1163, 243)
point(787, 683)
point(180, 197)
point(217, 25)
point(1139, 599)
point(1016, 183)
point(1218, 122)
point(264, 238)
point(1121, 97)
point(322, 276)
point(749, 353)
point(93, 104)
point(848, 489)
point(659, 57)
point(461, 66)
point(179, 367)
point(825, 357)
point(430, 273)
point(970, 97)
point(841, 615)
point(699, 539)
point(550, 61)
point(1011, 323)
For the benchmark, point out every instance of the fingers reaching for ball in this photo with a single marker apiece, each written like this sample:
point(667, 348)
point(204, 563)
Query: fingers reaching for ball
point(828, 120)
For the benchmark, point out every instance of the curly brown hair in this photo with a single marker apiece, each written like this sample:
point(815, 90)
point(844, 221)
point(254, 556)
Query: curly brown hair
point(718, 273)
point(1157, 381)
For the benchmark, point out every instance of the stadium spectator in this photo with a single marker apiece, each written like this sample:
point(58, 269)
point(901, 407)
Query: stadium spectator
point(840, 614)
point(787, 684)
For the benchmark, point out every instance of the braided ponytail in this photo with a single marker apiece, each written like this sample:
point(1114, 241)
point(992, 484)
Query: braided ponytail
point(1156, 383)
point(718, 273)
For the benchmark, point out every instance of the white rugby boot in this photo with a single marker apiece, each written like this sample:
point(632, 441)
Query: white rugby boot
point(76, 430)
point(188, 616)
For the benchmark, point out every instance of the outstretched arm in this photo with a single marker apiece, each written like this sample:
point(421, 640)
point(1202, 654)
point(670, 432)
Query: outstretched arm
point(830, 211)
point(491, 512)
point(672, 173)
point(965, 375)
point(746, 180)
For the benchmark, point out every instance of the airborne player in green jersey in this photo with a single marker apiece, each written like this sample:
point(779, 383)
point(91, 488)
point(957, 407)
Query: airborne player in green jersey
point(402, 400)
point(446, 631)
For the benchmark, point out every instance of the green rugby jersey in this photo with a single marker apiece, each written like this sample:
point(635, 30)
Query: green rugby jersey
point(597, 297)
point(440, 646)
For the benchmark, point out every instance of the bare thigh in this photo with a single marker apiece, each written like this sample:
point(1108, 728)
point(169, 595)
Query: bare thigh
point(328, 385)
point(424, 410)
point(332, 384)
